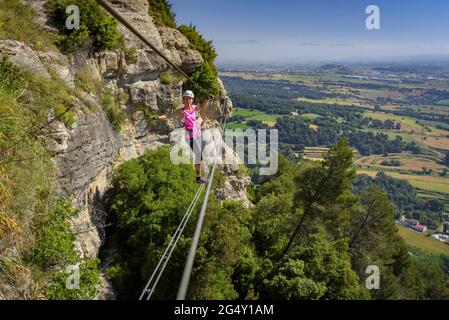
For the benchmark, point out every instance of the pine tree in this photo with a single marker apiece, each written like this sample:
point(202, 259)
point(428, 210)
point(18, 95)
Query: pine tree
point(320, 186)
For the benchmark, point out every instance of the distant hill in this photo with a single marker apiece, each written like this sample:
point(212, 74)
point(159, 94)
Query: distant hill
point(335, 68)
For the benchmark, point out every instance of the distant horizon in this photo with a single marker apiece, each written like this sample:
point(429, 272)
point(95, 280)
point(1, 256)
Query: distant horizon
point(295, 31)
point(397, 60)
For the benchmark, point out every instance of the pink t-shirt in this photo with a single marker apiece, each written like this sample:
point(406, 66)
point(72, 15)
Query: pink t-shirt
point(190, 123)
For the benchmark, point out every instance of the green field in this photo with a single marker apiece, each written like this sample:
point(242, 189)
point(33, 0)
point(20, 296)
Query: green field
point(242, 126)
point(430, 186)
point(428, 183)
point(392, 134)
point(310, 116)
point(411, 122)
point(421, 241)
point(444, 102)
point(343, 102)
point(255, 115)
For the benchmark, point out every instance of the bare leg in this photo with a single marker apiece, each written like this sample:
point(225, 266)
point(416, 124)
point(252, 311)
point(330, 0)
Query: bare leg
point(198, 170)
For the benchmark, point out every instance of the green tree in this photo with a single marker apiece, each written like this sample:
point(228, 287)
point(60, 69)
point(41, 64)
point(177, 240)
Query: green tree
point(151, 196)
point(319, 268)
point(373, 240)
point(432, 280)
point(320, 186)
point(206, 77)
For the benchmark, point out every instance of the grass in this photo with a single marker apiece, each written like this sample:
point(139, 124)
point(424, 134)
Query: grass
point(435, 123)
point(406, 122)
point(85, 79)
point(408, 161)
point(430, 186)
point(392, 134)
point(338, 101)
point(256, 115)
point(242, 126)
point(168, 77)
point(421, 241)
point(112, 107)
point(429, 183)
point(17, 23)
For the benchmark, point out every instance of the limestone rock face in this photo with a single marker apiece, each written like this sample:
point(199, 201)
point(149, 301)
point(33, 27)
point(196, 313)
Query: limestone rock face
point(23, 55)
point(234, 188)
point(181, 50)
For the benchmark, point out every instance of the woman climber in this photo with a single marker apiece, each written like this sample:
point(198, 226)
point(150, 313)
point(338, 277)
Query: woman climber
point(189, 115)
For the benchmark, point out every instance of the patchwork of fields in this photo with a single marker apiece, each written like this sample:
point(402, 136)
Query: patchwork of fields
point(418, 118)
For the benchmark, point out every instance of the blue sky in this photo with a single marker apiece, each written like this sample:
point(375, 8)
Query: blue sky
point(316, 30)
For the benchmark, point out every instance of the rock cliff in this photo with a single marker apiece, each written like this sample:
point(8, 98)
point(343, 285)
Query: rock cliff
point(86, 152)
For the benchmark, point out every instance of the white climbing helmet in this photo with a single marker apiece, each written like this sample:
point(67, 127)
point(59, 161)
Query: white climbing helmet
point(188, 93)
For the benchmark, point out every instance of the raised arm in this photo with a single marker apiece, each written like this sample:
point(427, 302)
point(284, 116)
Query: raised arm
point(203, 107)
point(177, 113)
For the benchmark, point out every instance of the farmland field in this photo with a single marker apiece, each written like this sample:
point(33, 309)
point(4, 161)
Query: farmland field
point(255, 115)
point(408, 162)
point(347, 102)
point(429, 183)
point(407, 123)
point(314, 108)
point(415, 239)
point(242, 126)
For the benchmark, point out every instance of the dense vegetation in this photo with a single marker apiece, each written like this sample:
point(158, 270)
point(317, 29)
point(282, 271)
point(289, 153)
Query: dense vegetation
point(96, 26)
point(307, 237)
point(35, 239)
point(300, 133)
point(16, 23)
point(206, 75)
point(403, 197)
point(161, 11)
point(333, 123)
point(391, 163)
point(151, 195)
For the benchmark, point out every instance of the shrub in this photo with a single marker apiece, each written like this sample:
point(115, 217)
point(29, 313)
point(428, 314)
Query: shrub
point(206, 75)
point(205, 47)
point(391, 163)
point(54, 251)
point(207, 78)
point(54, 246)
point(167, 77)
point(161, 11)
point(131, 55)
point(113, 110)
point(89, 275)
point(95, 25)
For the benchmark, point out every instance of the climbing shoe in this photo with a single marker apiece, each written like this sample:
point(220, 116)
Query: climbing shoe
point(201, 180)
